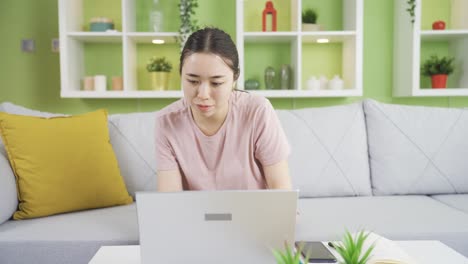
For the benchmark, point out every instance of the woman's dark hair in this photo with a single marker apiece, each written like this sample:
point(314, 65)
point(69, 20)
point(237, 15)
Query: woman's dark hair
point(212, 40)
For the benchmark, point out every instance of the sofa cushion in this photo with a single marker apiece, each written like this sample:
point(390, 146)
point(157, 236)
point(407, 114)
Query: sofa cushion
point(132, 137)
point(417, 150)
point(8, 194)
point(71, 238)
point(395, 217)
point(328, 150)
point(457, 201)
point(66, 164)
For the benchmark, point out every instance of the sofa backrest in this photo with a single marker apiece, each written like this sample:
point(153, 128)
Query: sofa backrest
point(328, 150)
point(417, 150)
point(132, 137)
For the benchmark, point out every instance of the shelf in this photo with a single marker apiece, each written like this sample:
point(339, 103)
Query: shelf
point(442, 92)
point(412, 47)
point(98, 37)
point(341, 55)
point(122, 94)
point(270, 36)
point(147, 37)
point(306, 93)
point(332, 36)
point(125, 53)
point(441, 35)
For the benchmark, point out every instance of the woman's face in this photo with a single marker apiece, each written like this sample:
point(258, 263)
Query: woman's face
point(207, 82)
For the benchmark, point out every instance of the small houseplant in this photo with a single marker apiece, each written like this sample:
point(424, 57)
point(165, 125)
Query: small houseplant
point(411, 8)
point(351, 248)
point(188, 24)
point(438, 69)
point(288, 256)
point(309, 20)
point(159, 68)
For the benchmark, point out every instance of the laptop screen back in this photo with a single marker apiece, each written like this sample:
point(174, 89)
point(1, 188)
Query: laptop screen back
point(215, 226)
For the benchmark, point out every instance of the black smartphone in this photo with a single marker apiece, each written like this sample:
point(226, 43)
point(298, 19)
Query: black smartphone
point(316, 251)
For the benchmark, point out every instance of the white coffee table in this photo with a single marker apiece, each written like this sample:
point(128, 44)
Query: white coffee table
point(425, 252)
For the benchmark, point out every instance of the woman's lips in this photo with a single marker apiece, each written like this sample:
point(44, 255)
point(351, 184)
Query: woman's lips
point(204, 108)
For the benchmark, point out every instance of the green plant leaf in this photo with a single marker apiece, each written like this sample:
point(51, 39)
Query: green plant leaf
point(367, 254)
point(350, 248)
point(309, 16)
point(435, 65)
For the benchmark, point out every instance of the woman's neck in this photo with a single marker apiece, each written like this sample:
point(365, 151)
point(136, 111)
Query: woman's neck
point(210, 125)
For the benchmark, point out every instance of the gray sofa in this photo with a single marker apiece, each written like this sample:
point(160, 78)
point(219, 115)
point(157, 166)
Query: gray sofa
point(400, 171)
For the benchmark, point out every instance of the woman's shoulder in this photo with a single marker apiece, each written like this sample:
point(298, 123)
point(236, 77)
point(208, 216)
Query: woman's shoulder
point(172, 111)
point(250, 102)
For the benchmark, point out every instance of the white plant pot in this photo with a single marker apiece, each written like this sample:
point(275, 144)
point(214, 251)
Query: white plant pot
point(311, 27)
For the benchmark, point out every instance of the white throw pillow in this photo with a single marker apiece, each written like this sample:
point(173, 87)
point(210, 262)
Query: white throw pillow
point(132, 137)
point(328, 150)
point(416, 149)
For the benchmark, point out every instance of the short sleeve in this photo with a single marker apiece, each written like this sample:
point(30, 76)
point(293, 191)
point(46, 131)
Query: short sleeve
point(271, 144)
point(165, 156)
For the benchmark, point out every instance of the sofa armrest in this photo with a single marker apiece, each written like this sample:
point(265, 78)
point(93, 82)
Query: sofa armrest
point(8, 192)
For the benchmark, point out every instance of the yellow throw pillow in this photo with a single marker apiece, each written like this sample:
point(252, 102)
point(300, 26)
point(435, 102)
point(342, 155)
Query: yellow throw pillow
point(62, 164)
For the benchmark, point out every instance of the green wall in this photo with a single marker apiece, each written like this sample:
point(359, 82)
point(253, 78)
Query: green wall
point(33, 79)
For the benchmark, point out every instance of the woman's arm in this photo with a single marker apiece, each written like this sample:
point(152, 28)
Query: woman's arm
point(277, 175)
point(169, 181)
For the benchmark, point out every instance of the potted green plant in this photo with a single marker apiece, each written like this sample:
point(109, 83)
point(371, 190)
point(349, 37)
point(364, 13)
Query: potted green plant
point(289, 255)
point(188, 24)
point(438, 69)
point(309, 20)
point(351, 248)
point(159, 69)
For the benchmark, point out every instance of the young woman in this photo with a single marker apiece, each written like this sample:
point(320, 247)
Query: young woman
point(218, 138)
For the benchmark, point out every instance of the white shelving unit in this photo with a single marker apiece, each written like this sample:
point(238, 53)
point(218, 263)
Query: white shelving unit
point(350, 37)
point(73, 42)
point(409, 40)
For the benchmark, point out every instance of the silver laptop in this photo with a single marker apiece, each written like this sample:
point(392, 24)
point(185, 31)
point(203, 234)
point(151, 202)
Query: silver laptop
point(215, 226)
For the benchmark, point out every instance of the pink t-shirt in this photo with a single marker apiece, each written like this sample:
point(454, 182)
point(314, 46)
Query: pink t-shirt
point(232, 159)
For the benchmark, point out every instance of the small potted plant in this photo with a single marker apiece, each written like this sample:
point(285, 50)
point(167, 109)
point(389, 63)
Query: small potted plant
point(309, 20)
point(159, 68)
point(289, 255)
point(351, 248)
point(438, 69)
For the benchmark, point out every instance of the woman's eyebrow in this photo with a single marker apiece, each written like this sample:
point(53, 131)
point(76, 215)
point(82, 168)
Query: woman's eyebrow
point(216, 76)
point(192, 75)
point(198, 76)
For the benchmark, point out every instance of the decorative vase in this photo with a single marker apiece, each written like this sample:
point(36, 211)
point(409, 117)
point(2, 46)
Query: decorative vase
point(336, 83)
point(117, 83)
point(311, 27)
point(100, 83)
point(323, 82)
point(270, 76)
point(156, 17)
point(313, 83)
point(251, 84)
point(439, 81)
point(159, 80)
point(438, 25)
point(286, 78)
